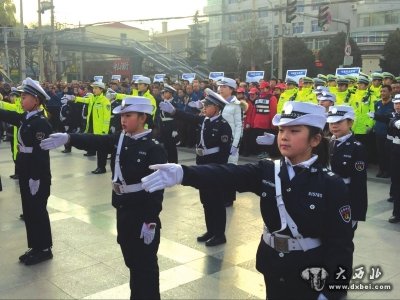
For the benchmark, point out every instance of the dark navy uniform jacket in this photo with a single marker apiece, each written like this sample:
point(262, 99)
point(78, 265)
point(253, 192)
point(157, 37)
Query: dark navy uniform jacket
point(216, 133)
point(135, 158)
point(316, 199)
point(349, 160)
point(32, 131)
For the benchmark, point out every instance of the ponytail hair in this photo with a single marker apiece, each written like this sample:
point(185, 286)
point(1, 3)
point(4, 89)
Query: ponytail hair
point(322, 150)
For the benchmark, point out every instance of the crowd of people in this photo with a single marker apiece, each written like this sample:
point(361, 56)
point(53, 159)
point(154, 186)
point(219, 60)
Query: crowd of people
point(318, 127)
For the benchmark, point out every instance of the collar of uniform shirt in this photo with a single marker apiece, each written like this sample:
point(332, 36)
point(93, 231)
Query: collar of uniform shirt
point(342, 139)
point(304, 164)
point(31, 113)
point(212, 118)
point(138, 135)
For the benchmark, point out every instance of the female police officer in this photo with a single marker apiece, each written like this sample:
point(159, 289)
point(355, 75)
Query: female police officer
point(138, 222)
point(307, 237)
point(33, 166)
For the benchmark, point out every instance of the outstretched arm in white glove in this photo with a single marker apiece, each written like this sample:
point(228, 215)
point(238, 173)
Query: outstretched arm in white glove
point(266, 139)
point(148, 232)
point(54, 140)
point(110, 94)
point(167, 107)
point(196, 104)
point(166, 175)
point(397, 124)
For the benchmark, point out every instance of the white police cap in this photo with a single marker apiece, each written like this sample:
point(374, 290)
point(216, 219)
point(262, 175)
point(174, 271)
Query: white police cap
point(301, 113)
point(168, 88)
point(98, 84)
point(143, 79)
point(396, 98)
point(227, 81)
point(214, 98)
point(319, 89)
point(134, 104)
point(326, 96)
point(33, 88)
point(339, 113)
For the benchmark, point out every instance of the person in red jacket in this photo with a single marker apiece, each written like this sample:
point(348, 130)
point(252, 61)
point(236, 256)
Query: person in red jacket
point(248, 143)
point(264, 110)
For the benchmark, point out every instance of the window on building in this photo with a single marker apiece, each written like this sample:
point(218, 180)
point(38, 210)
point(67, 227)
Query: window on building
point(309, 45)
point(298, 27)
point(321, 43)
point(276, 30)
point(315, 4)
point(300, 6)
point(314, 26)
point(262, 13)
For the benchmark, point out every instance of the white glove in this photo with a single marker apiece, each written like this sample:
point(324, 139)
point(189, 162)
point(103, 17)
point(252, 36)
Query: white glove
point(266, 139)
point(34, 186)
point(110, 94)
point(54, 140)
point(234, 151)
point(371, 114)
point(112, 129)
point(64, 99)
point(397, 124)
point(167, 107)
point(167, 175)
point(69, 97)
point(321, 297)
point(174, 134)
point(196, 104)
point(148, 232)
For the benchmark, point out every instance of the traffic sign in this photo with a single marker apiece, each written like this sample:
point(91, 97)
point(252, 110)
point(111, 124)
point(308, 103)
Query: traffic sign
point(347, 50)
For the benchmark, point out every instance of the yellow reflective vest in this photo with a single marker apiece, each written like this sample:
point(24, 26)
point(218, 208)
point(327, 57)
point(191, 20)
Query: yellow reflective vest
point(99, 111)
point(363, 102)
point(287, 95)
point(343, 98)
point(306, 95)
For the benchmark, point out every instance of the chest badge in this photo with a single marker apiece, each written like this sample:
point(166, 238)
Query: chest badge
point(359, 165)
point(40, 136)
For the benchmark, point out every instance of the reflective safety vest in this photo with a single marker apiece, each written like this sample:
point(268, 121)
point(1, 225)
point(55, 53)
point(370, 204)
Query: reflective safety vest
point(363, 102)
point(99, 111)
point(343, 98)
point(306, 95)
point(287, 95)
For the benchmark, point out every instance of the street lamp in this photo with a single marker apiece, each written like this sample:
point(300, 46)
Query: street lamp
point(272, 40)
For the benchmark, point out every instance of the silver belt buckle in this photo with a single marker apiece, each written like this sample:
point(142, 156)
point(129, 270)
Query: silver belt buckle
point(117, 188)
point(199, 152)
point(281, 244)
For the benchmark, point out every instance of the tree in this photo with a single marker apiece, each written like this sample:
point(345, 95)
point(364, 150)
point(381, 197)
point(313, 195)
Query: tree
point(391, 61)
point(196, 42)
point(296, 55)
point(224, 59)
point(254, 55)
point(7, 13)
point(332, 54)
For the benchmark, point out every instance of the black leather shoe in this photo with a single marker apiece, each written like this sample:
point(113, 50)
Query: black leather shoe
point(23, 257)
point(229, 204)
point(66, 151)
point(385, 175)
point(216, 240)
point(89, 154)
point(99, 171)
point(205, 237)
point(379, 175)
point(37, 256)
point(21, 217)
point(15, 176)
point(394, 219)
point(390, 199)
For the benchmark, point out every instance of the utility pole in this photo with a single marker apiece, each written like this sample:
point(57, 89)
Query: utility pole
point(5, 32)
point(53, 68)
point(272, 40)
point(40, 46)
point(280, 42)
point(22, 47)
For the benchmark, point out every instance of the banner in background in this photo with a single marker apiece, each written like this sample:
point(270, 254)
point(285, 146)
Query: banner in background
point(254, 76)
point(348, 71)
point(216, 75)
point(159, 78)
point(116, 77)
point(135, 77)
point(98, 78)
point(296, 74)
point(189, 77)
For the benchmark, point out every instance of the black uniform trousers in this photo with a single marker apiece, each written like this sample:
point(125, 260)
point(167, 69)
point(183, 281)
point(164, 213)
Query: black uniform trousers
point(36, 217)
point(167, 127)
point(214, 210)
point(383, 160)
point(395, 176)
point(141, 259)
point(388, 154)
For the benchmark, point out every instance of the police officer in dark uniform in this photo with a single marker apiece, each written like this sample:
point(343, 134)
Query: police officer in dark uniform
point(138, 222)
point(115, 120)
point(213, 146)
point(168, 126)
point(348, 159)
point(33, 165)
point(394, 132)
point(307, 238)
